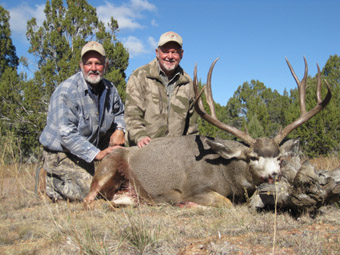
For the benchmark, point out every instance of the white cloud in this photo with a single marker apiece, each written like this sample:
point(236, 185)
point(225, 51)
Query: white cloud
point(134, 45)
point(152, 42)
point(21, 14)
point(126, 14)
point(131, 15)
point(154, 23)
point(142, 5)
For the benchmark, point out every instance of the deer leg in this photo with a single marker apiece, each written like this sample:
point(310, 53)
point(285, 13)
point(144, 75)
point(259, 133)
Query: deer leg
point(106, 179)
point(211, 198)
point(189, 204)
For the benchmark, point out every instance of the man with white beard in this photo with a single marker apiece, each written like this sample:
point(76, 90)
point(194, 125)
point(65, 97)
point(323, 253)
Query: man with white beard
point(85, 122)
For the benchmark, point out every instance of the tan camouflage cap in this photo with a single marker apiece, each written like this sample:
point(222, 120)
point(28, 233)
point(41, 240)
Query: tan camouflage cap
point(93, 46)
point(170, 37)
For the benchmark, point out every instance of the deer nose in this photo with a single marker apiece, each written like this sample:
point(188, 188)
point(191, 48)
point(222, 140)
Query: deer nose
point(276, 176)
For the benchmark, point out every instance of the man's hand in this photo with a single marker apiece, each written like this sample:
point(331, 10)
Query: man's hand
point(117, 138)
point(144, 142)
point(103, 153)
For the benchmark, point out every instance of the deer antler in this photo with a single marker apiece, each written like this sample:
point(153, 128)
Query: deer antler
point(304, 116)
point(212, 118)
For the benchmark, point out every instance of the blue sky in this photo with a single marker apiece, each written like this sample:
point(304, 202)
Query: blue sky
point(251, 37)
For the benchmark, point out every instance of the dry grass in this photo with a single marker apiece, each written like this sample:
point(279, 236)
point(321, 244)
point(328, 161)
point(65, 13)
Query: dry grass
point(31, 225)
point(325, 163)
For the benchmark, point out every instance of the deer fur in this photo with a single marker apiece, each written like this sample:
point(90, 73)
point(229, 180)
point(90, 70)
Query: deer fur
point(206, 171)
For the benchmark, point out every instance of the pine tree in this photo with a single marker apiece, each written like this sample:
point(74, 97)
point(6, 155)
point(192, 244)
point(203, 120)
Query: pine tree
point(258, 108)
point(8, 57)
point(9, 89)
point(10, 92)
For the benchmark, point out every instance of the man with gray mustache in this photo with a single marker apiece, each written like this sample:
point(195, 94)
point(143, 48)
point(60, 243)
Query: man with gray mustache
point(85, 122)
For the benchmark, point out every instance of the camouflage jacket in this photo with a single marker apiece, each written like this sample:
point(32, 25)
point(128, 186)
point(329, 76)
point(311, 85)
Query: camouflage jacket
point(147, 110)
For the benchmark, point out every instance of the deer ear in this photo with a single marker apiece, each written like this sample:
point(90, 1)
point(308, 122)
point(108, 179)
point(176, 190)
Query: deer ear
point(290, 147)
point(228, 149)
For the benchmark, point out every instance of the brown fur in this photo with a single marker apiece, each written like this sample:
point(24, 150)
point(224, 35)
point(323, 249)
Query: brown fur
point(182, 169)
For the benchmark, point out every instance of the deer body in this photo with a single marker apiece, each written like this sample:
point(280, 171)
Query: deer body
point(188, 170)
point(199, 169)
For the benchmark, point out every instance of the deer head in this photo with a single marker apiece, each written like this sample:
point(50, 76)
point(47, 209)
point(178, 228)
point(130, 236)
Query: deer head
point(264, 153)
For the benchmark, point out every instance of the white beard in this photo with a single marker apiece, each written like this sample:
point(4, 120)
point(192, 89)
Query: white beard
point(94, 80)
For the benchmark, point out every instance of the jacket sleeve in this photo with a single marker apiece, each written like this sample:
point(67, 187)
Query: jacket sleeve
point(135, 110)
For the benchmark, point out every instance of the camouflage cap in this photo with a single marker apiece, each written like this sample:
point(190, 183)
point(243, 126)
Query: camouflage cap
point(93, 46)
point(170, 37)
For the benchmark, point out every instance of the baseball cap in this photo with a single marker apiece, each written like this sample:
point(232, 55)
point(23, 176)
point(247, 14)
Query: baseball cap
point(93, 46)
point(170, 37)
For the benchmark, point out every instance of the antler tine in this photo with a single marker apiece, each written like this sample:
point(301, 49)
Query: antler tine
point(209, 96)
point(301, 85)
point(318, 91)
point(212, 119)
point(305, 116)
point(198, 100)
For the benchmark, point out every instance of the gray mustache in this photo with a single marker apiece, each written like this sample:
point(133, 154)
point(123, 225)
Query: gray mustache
point(94, 72)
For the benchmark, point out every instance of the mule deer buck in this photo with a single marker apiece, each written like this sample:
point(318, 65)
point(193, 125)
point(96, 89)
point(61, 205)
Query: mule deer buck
point(202, 170)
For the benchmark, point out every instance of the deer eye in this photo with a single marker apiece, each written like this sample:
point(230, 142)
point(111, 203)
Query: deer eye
point(254, 158)
point(282, 161)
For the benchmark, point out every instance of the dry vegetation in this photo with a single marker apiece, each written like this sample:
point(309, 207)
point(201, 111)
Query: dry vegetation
point(31, 225)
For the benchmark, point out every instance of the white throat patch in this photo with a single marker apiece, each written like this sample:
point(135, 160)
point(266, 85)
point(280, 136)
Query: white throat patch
point(266, 167)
